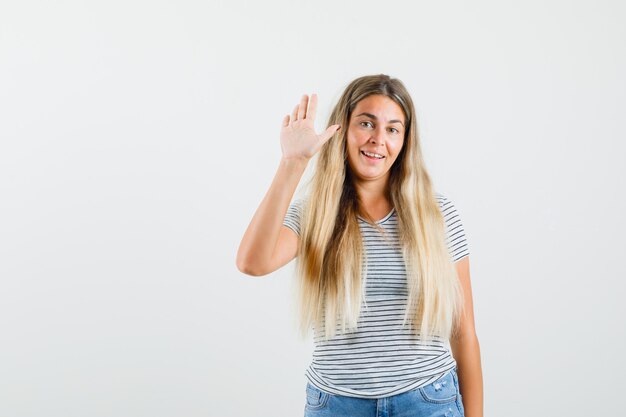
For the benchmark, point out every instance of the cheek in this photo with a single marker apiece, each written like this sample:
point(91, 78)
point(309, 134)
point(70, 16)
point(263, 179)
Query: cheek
point(397, 150)
point(353, 143)
point(352, 147)
point(396, 146)
point(400, 145)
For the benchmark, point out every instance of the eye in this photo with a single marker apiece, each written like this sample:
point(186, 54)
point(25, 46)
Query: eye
point(366, 124)
point(394, 130)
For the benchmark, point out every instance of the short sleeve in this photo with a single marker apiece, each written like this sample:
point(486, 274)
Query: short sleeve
point(455, 234)
point(293, 216)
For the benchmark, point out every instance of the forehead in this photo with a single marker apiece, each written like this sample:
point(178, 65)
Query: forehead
point(380, 106)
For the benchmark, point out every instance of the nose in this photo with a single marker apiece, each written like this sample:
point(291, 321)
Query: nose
point(378, 136)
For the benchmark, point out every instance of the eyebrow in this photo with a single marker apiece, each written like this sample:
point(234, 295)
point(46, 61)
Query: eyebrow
point(371, 116)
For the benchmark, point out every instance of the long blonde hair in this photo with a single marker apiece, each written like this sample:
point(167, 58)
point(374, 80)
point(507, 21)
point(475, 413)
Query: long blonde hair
point(329, 263)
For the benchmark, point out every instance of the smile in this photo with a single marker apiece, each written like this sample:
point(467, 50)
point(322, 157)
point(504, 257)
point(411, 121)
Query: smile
point(372, 155)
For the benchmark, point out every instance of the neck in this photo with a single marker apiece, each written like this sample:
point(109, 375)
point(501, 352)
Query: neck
point(373, 196)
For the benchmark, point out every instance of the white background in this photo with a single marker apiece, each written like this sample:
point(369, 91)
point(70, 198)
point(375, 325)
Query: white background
point(138, 138)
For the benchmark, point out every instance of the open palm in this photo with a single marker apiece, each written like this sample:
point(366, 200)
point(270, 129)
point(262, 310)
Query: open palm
point(297, 136)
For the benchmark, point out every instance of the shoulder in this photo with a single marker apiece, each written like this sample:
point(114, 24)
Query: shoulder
point(445, 204)
point(295, 214)
point(298, 204)
point(447, 207)
point(440, 197)
point(455, 232)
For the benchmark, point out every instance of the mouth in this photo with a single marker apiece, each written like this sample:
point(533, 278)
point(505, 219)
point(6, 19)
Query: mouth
point(372, 156)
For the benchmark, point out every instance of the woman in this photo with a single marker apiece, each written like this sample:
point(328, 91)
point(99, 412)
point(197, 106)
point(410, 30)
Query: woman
point(383, 264)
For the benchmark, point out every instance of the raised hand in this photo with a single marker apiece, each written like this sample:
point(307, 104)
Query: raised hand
point(297, 136)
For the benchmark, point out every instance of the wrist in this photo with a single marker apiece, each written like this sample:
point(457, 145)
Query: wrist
point(294, 162)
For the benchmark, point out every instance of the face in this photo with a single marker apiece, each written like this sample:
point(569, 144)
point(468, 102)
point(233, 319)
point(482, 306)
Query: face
point(375, 138)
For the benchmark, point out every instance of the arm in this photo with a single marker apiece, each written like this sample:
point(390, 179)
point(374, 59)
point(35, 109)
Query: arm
point(466, 350)
point(267, 244)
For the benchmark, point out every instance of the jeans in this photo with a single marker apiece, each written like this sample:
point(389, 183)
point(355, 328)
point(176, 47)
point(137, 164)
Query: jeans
point(439, 398)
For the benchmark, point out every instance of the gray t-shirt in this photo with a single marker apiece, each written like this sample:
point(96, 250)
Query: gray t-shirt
point(382, 358)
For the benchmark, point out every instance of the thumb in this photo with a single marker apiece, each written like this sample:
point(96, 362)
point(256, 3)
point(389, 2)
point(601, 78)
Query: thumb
point(329, 132)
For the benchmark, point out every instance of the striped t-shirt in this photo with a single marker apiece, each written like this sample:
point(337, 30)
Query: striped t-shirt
point(381, 357)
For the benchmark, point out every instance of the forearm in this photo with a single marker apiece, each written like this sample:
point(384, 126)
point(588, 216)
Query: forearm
point(261, 236)
point(466, 352)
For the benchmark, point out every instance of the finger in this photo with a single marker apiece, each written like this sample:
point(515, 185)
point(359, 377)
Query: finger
point(286, 121)
point(328, 133)
point(310, 114)
point(294, 113)
point(302, 110)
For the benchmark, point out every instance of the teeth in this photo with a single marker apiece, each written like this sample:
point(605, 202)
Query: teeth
point(373, 155)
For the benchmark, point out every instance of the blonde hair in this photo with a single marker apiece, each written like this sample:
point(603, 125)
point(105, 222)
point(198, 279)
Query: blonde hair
point(331, 289)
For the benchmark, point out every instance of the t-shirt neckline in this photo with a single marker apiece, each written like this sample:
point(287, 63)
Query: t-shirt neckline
point(381, 220)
